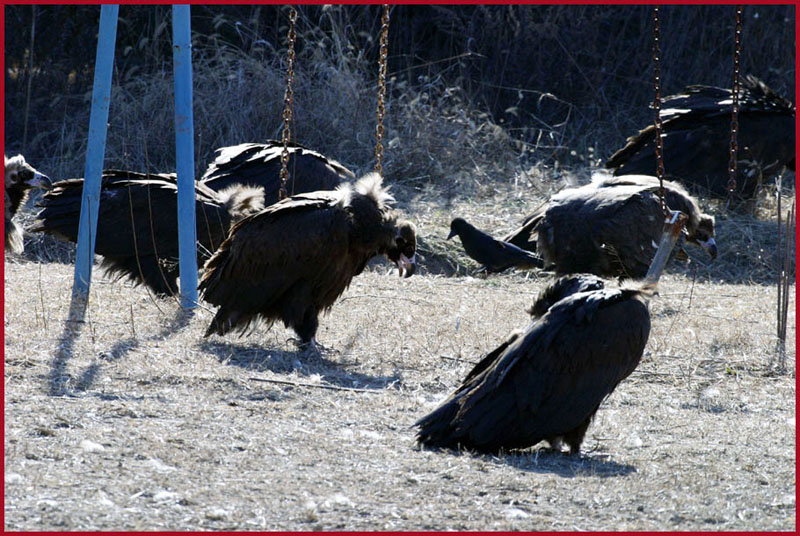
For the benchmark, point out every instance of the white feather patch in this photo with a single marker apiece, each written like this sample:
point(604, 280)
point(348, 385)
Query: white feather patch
point(371, 185)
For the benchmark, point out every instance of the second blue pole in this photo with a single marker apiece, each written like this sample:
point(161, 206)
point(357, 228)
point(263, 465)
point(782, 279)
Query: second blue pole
point(184, 149)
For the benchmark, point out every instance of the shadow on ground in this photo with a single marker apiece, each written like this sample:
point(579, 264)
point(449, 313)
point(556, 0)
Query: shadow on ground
point(567, 466)
point(259, 359)
point(59, 378)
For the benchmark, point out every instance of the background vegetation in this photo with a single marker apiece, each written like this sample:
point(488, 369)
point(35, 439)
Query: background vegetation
point(477, 93)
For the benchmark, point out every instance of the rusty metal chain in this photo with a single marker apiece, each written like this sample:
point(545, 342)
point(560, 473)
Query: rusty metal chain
point(659, 149)
point(382, 61)
point(288, 102)
point(737, 50)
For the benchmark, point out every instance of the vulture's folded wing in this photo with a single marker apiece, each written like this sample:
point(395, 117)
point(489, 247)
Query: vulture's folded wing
point(267, 254)
point(554, 377)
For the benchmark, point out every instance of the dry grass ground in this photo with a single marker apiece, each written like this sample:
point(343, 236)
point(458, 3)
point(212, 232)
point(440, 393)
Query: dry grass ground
point(138, 423)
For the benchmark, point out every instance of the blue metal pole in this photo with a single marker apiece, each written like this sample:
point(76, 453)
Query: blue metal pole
point(98, 121)
point(184, 147)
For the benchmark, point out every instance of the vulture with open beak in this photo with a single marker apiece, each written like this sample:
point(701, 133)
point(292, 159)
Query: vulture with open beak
point(293, 259)
point(259, 164)
point(20, 178)
point(137, 223)
point(609, 227)
point(495, 255)
point(547, 382)
point(696, 135)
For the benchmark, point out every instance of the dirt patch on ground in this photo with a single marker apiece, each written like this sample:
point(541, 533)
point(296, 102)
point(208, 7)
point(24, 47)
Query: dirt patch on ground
point(139, 423)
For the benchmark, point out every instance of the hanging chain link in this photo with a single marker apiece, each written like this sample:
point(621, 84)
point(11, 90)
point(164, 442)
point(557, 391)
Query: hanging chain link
point(384, 52)
point(734, 147)
point(657, 107)
point(288, 102)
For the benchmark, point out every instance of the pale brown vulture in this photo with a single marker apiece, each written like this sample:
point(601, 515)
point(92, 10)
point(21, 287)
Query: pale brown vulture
point(609, 227)
point(547, 382)
point(259, 164)
point(137, 223)
point(495, 255)
point(696, 134)
point(293, 259)
point(20, 178)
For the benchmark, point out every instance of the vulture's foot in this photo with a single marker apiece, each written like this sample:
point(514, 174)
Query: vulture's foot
point(312, 348)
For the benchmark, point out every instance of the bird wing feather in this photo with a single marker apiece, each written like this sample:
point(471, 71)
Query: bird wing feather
point(266, 254)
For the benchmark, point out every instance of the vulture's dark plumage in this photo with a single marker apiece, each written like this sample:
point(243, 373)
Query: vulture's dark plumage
point(609, 227)
point(293, 259)
point(145, 207)
point(20, 178)
point(259, 164)
point(495, 255)
point(547, 382)
point(696, 138)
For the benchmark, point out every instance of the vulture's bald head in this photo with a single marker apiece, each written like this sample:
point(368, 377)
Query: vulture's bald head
point(703, 234)
point(22, 175)
point(403, 251)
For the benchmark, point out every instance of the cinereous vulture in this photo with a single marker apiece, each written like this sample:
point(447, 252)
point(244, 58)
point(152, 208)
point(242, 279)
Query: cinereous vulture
point(293, 259)
point(696, 134)
point(20, 178)
point(495, 255)
point(609, 227)
point(259, 164)
point(137, 223)
point(547, 382)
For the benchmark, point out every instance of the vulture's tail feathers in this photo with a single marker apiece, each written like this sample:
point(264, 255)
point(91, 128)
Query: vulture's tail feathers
point(525, 237)
point(162, 278)
point(226, 320)
point(436, 429)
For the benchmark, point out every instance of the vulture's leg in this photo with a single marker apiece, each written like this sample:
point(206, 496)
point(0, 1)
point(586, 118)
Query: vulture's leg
point(555, 443)
point(574, 437)
point(306, 329)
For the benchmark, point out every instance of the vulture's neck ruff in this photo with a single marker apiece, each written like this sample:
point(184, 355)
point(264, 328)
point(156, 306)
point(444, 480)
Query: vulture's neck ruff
point(371, 187)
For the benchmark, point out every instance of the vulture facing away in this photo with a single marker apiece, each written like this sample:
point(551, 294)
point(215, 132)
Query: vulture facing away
point(293, 259)
point(696, 134)
point(609, 227)
point(259, 164)
point(494, 255)
point(137, 223)
point(20, 178)
point(547, 382)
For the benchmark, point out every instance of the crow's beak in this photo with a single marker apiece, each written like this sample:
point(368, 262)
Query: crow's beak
point(451, 235)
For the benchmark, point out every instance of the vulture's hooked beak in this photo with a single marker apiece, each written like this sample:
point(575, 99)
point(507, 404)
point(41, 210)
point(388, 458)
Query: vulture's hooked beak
point(405, 266)
point(40, 180)
point(710, 246)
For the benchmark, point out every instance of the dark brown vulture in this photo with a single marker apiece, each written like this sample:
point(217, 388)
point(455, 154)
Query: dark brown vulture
point(609, 227)
point(259, 164)
point(293, 259)
point(547, 382)
point(20, 178)
point(696, 138)
point(145, 207)
point(494, 255)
